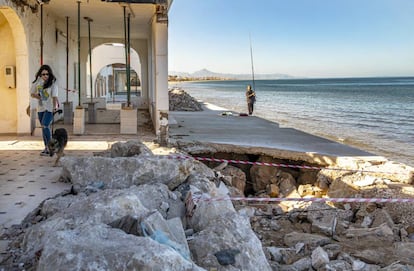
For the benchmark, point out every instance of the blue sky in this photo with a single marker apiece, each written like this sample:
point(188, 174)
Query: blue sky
point(310, 38)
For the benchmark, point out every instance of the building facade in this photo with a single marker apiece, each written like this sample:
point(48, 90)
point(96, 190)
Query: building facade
point(62, 33)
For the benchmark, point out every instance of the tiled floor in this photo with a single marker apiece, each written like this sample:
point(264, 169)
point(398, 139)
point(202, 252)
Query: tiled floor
point(26, 178)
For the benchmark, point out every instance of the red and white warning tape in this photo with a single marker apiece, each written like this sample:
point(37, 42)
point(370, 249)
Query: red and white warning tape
point(347, 200)
point(273, 164)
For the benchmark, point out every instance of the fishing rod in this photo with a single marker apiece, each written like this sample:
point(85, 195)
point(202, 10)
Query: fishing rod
point(251, 59)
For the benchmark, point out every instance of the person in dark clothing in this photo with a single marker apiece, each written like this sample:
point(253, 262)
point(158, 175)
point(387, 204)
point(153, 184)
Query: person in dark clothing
point(251, 98)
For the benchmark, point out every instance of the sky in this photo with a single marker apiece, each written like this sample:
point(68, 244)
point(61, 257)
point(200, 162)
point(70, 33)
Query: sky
point(304, 38)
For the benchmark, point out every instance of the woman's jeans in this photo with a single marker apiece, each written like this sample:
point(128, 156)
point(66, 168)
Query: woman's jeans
point(45, 119)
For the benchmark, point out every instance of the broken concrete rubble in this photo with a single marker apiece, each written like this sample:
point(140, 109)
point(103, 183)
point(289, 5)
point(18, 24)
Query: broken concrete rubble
point(129, 212)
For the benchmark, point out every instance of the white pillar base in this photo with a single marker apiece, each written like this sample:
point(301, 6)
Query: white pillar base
point(129, 121)
point(79, 121)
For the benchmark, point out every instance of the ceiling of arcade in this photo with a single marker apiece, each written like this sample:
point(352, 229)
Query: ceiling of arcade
point(107, 15)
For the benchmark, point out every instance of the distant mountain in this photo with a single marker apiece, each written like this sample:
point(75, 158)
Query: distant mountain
point(207, 73)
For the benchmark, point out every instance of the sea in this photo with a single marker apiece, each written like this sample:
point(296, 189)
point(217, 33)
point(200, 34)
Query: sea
point(372, 114)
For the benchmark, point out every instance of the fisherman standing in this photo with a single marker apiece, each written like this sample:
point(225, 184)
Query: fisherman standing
point(251, 98)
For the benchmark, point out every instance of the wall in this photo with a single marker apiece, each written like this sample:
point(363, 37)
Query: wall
point(54, 54)
point(8, 116)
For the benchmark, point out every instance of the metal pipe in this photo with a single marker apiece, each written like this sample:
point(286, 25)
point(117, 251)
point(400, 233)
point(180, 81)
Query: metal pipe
point(90, 55)
point(67, 59)
point(125, 40)
point(41, 34)
point(79, 44)
point(129, 63)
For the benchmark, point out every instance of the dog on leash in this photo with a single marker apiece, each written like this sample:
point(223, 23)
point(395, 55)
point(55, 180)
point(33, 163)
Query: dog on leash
point(58, 143)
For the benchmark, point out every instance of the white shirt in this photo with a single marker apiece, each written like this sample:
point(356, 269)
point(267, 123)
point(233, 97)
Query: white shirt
point(46, 102)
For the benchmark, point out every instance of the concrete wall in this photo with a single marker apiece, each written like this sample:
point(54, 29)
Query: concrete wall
point(159, 66)
point(8, 101)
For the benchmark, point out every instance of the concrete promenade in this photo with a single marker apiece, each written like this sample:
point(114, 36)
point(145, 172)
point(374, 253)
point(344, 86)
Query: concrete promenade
point(211, 125)
point(26, 178)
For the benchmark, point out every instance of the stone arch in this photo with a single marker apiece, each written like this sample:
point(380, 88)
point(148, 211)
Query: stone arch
point(110, 81)
point(100, 61)
point(14, 53)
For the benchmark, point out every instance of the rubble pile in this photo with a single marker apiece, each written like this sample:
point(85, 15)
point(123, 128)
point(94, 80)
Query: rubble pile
point(182, 101)
point(131, 208)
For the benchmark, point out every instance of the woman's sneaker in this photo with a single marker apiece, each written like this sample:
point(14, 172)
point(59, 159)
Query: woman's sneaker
point(44, 153)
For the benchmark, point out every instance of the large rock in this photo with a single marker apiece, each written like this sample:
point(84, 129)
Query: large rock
point(238, 177)
point(126, 149)
point(100, 247)
point(231, 233)
point(123, 172)
point(222, 236)
point(262, 176)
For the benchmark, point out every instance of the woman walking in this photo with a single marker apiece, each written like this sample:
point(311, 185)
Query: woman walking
point(45, 90)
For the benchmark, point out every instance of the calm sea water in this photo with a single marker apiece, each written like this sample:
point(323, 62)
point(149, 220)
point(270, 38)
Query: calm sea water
point(372, 114)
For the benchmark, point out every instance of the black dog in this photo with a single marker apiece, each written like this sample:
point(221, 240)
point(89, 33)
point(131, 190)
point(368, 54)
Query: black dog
point(58, 143)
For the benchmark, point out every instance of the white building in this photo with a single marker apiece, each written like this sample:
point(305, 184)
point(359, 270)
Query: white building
point(57, 33)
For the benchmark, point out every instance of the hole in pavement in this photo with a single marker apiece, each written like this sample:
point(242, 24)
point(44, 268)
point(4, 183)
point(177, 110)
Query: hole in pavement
point(2, 213)
point(20, 187)
point(6, 194)
point(43, 188)
point(31, 195)
point(19, 203)
point(32, 181)
point(10, 180)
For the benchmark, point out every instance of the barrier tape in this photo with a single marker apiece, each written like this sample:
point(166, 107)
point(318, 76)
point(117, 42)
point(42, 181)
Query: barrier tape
point(275, 164)
point(347, 200)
